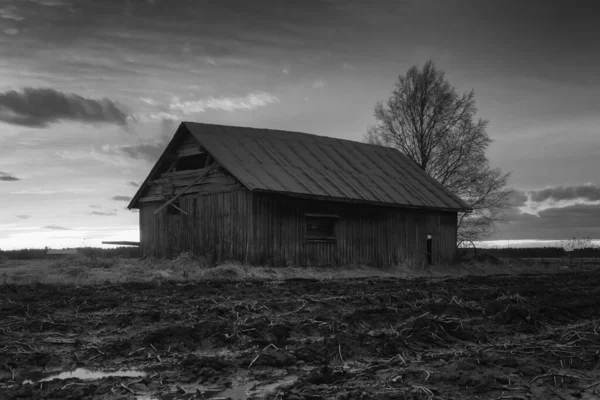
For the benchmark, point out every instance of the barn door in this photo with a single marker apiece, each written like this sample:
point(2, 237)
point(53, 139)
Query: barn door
point(429, 249)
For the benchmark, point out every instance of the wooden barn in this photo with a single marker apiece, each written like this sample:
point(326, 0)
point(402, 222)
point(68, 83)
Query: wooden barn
point(281, 198)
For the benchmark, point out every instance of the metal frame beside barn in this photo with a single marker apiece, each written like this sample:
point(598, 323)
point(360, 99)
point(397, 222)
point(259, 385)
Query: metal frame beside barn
point(270, 197)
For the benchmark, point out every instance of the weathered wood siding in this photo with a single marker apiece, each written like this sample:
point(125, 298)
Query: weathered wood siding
point(363, 234)
point(271, 229)
point(216, 226)
point(172, 183)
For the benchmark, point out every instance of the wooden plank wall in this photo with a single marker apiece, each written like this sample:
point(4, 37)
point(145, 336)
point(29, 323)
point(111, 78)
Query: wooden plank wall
point(270, 230)
point(216, 226)
point(172, 183)
point(364, 234)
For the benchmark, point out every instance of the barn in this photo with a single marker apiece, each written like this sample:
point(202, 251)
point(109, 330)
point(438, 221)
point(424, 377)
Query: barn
point(272, 197)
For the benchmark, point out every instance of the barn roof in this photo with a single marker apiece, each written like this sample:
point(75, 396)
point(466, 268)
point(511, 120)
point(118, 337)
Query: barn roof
point(317, 166)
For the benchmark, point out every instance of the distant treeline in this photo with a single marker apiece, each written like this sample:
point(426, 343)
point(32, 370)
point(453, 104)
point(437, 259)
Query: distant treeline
point(535, 252)
point(33, 254)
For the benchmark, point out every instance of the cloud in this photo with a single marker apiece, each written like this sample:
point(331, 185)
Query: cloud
point(56, 228)
point(318, 85)
point(552, 213)
point(148, 101)
point(102, 213)
point(588, 192)
point(95, 206)
point(518, 199)
point(42, 192)
point(151, 117)
point(4, 176)
point(121, 198)
point(579, 220)
point(51, 3)
point(11, 31)
point(11, 13)
point(23, 216)
point(38, 107)
point(133, 183)
point(149, 152)
point(516, 203)
point(248, 102)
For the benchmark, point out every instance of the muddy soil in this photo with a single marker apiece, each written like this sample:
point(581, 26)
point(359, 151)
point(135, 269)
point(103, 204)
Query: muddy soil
point(501, 337)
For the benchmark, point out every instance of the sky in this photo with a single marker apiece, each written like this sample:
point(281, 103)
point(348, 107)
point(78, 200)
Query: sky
point(91, 92)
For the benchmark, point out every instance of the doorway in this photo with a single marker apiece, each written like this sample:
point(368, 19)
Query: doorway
point(429, 250)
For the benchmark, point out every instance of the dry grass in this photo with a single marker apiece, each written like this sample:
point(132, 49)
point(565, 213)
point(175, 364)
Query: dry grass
point(81, 270)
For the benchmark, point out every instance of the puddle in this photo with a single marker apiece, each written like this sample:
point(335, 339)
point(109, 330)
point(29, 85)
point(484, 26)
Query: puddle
point(269, 388)
point(246, 391)
point(233, 393)
point(84, 374)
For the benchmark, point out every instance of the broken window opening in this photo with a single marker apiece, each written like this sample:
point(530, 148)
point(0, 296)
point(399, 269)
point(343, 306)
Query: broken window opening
point(196, 161)
point(320, 227)
point(174, 208)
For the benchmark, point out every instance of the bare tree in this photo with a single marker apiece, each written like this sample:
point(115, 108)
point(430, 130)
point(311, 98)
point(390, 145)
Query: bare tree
point(436, 128)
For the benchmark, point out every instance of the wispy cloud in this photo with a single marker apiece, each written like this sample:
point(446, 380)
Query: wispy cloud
point(11, 12)
point(103, 213)
point(38, 191)
point(23, 216)
point(143, 151)
point(121, 198)
point(318, 85)
point(51, 3)
point(95, 206)
point(56, 228)
point(6, 177)
point(152, 117)
point(589, 192)
point(248, 102)
point(148, 101)
point(39, 107)
point(578, 220)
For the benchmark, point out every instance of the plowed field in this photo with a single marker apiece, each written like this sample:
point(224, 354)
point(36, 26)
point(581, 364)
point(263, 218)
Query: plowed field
point(496, 337)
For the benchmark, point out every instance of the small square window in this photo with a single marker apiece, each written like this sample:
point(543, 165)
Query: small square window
point(320, 227)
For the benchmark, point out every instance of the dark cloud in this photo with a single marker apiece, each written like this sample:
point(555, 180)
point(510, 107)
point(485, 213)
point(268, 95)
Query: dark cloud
point(6, 177)
point(583, 192)
point(37, 107)
point(121, 198)
point(102, 213)
point(133, 183)
point(517, 198)
point(56, 228)
point(515, 201)
point(580, 220)
point(23, 216)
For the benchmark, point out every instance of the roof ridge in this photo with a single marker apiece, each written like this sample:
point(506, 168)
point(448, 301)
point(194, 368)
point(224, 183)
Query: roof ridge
point(311, 135)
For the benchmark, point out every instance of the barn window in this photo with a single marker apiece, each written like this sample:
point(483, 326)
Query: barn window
point(320, 227)
point(195, 161)
point(174, 208)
